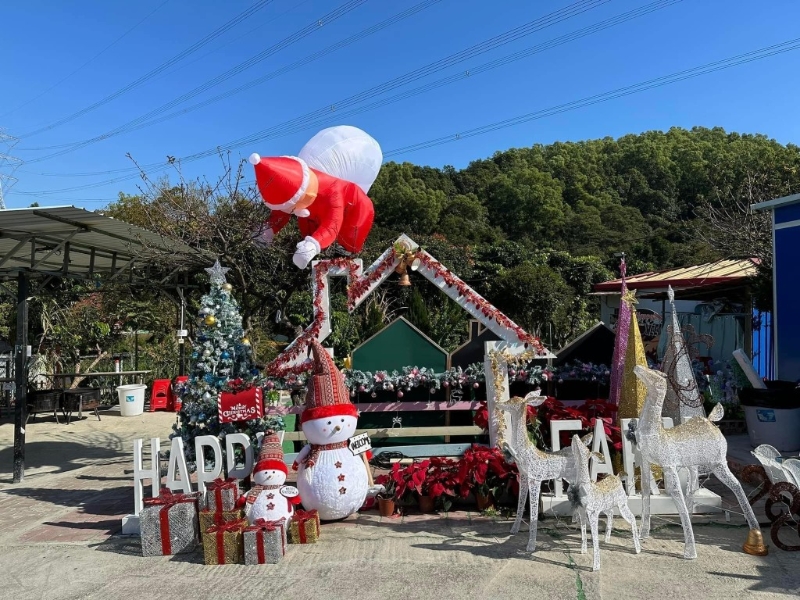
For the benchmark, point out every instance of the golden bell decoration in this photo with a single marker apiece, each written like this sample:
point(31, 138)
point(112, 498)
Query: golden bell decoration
point(227, 287)
point(408, 259)
point(348, 362)
point(245, 341)
point(210, 320)
point(755, 544)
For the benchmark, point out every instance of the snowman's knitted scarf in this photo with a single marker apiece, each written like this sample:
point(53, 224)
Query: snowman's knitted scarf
point(254, 491)
point(313, 455)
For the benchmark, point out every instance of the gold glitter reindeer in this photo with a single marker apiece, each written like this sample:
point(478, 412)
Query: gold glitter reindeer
point(695, 444)
point(534, 465)
point(590, 500)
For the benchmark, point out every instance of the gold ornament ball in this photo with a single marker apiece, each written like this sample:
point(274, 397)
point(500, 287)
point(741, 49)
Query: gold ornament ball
point(210, 320)
point(245, 341)
point(227, 287)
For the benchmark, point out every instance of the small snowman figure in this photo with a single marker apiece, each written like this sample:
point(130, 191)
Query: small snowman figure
point(269, 498)
point(330, 478)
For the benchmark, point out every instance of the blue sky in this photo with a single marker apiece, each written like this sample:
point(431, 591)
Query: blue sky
point(46, 41)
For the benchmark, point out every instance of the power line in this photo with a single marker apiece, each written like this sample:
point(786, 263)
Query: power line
point(303, 121)
point(676, 77)
point(241, 67)
point(103, 51)
point(246, 14)
point(720, 65)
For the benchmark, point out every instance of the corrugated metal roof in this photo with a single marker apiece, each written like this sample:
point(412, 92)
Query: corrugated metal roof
point(73, 241)
point(698, 276)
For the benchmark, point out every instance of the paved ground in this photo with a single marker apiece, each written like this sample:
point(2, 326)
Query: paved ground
point(59, 539)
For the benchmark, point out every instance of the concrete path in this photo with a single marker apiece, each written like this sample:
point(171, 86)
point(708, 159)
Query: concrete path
point(59, 540)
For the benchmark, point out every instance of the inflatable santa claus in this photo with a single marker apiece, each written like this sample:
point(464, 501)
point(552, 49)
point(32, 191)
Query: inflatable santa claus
point(325, 187)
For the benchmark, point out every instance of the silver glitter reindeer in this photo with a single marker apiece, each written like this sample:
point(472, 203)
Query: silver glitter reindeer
point(592, 499)
point(534, 465)
point(695, 444)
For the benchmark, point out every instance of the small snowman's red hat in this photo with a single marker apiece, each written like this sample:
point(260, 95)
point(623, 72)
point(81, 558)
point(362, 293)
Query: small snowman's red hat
point(271, 455)
point(282, 181)
point(327, 395)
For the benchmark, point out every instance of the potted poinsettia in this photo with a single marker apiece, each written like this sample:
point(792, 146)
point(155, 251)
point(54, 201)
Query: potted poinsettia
point(440, 484)
point(386, 498)
point(483, 472)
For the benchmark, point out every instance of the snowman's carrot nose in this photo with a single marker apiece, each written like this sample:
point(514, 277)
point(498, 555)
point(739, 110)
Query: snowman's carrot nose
point(337, 428)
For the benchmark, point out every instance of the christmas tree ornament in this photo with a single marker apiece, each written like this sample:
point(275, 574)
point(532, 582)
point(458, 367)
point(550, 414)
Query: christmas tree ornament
point(216, 274)
point(227, 287)
point(210, 320)
point(595, 499)
point(325, 187)
point(270, 499)
point(205, 311)
point(331, 479)
point(696, 444)
point(245, 342)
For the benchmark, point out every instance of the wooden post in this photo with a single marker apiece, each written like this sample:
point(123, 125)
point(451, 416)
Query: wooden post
point(21, 376)
point(369, 469)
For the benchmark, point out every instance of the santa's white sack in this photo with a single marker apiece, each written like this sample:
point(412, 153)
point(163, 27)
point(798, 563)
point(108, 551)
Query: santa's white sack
point(330, 478)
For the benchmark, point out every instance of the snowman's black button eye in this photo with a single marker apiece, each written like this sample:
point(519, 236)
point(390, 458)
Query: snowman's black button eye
point(329, 422)
point(342, 420)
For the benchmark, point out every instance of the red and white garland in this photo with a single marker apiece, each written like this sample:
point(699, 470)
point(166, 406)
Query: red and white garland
point(360, 286)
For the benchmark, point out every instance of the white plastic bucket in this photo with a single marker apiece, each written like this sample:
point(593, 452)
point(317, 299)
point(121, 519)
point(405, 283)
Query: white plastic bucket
point(774, 426)
point(131, 399)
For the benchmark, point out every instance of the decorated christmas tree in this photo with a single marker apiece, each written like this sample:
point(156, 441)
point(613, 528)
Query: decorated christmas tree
point(223, 368)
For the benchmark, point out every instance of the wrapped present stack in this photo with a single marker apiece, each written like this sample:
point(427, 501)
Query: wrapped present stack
point(264, 542)
point(223, 544)
point(222, 523)
point(222, 497)
point(304, 527)
point(168, 524)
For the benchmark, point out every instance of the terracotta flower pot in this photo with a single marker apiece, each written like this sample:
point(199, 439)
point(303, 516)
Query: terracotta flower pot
point(484, 502)
point(386, 506)
point(427, 504)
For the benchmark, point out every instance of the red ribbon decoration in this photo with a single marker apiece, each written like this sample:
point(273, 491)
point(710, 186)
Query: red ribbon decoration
point(262, 525)
point(219, 485)
point(301, 516)
point(219, 532)
point(166, 500)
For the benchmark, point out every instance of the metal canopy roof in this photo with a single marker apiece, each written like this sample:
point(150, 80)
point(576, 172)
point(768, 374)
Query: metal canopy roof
point(721, 272)
point(65, 241)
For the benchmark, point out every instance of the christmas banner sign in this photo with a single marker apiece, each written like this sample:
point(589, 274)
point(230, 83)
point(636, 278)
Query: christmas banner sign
point(240, 406)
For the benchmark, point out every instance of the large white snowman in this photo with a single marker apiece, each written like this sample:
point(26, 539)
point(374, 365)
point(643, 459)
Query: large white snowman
point(269, 498)
point(330, 478)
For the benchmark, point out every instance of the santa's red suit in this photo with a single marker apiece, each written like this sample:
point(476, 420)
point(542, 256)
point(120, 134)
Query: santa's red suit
point(342, 213)
point(325, 187)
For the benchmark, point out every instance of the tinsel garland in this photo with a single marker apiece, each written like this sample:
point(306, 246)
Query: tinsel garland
point(457, 378)
point(359, 285)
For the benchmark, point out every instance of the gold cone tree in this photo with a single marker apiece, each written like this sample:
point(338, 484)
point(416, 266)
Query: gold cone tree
point(633, 391)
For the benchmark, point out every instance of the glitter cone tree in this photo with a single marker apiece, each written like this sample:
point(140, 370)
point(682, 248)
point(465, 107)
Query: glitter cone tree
point(223, 362)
